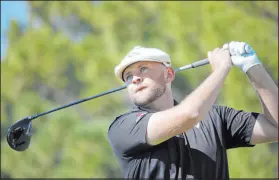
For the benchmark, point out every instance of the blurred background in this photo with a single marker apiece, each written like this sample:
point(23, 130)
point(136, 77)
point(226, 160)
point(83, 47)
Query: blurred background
point(53, 53)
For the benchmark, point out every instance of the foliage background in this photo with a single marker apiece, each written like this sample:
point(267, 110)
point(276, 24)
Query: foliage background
point(68, 51)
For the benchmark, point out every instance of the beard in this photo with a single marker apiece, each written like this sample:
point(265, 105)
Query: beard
point(149, 96)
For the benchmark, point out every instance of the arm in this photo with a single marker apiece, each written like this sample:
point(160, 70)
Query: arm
point(266, 127)
point(267, 91)
point(171, 122)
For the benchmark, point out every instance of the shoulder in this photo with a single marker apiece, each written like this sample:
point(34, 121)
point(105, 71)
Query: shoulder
point(216, 115)
point(216, 108)
point(127, 118)
point(226, 111)
point(220, 110)
point(118, 119)
point(216, 111)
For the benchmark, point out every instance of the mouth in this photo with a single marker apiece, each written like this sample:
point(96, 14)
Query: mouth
point(140, 88)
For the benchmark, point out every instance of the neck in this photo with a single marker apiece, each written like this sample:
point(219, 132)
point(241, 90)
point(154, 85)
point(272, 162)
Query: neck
point(166, 101)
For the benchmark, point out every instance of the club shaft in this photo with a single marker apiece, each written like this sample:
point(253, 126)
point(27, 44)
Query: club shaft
point(193, 65)
point(80, 101)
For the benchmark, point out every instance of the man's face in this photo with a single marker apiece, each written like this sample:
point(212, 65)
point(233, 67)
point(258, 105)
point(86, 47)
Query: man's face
point(147, 82)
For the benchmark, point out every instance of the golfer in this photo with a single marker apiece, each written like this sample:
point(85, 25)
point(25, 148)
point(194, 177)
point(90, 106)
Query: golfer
point(162, 138)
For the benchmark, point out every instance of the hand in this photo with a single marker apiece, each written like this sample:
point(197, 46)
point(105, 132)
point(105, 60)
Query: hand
point(242, 55)
point(220, 58)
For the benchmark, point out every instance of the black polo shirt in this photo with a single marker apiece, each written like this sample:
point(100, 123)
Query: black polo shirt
point(198, 153)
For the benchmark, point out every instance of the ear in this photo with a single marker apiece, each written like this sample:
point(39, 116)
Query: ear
point(170, 75)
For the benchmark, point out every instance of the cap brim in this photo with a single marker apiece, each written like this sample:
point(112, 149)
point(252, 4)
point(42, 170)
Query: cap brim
point(119, 70)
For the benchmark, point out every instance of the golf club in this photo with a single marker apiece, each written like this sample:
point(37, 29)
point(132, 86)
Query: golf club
point(19, 134)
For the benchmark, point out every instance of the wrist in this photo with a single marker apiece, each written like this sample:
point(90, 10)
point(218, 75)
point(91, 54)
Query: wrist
point(256, 71)
point(221, 69)
point(250, 64)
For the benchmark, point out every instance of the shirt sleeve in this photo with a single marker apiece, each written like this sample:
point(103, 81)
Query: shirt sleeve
point(238, 126)
point(127, 134)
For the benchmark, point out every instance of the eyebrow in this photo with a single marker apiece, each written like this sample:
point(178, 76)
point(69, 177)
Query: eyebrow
point(129, 72)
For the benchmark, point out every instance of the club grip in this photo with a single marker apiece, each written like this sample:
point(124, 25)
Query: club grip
point(200, 63)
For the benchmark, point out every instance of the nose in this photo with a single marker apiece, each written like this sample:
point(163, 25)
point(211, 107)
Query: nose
point(136, 79)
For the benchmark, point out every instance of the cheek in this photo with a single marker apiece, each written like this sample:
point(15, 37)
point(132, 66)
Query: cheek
point(160, 79)
point(130, 90)
point(155, 83)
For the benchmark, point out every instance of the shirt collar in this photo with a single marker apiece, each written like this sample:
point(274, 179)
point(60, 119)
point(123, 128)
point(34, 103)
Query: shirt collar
point(136, 108)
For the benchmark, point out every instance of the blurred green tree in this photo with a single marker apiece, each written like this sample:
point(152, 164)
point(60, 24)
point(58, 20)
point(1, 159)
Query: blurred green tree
point(68, 51)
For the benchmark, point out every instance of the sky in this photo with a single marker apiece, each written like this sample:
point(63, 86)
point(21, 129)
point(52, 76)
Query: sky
point(17, 10)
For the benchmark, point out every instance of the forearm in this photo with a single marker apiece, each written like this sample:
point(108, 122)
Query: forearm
point(199, 102)
point(267, 90)
point(166, 124)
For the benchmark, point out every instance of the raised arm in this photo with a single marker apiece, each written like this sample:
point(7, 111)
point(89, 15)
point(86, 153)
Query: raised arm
point(266, 126)
point(171, 122)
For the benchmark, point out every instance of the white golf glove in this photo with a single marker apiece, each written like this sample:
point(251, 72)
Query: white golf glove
point(242, 55)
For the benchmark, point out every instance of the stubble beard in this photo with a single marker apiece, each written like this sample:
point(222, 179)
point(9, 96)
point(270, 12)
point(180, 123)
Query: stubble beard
point(150, 96)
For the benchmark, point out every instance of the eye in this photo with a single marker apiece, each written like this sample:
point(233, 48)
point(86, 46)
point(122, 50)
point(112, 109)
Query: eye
point(142, 69)
point(129, 78)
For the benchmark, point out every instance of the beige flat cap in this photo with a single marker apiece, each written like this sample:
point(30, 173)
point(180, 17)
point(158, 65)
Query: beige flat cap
point(139, 53)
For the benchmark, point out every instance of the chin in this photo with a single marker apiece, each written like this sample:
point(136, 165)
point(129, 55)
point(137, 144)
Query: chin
point(146, 96)
point(140, 101)
point(143, 101)
point(142, 104)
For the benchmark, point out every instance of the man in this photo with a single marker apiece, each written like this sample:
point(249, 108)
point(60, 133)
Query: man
point(161, 138)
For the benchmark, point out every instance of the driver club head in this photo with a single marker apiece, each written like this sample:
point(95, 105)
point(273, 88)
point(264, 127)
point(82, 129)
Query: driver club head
point(19, 134)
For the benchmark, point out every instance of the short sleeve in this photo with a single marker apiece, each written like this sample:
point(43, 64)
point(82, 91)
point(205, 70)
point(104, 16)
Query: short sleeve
point(127, 134)
point(238, 126)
